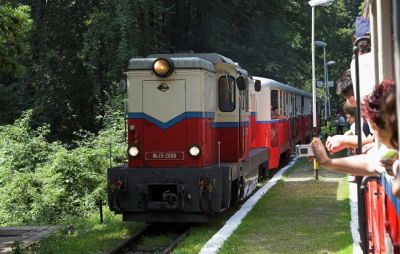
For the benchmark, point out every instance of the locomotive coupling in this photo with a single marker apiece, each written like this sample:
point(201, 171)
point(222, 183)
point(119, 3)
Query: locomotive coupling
point(170, 198)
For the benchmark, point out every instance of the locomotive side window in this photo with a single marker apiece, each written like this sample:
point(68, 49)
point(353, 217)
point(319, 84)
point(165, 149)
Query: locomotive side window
point(226, 93)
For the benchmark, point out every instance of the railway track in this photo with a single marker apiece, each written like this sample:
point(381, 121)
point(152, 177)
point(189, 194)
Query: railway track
point(155, 238)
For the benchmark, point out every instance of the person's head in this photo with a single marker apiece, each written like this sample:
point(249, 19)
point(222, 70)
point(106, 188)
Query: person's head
point(380, 109)
point(364, 47)
point(349, 111)
point(345, 87)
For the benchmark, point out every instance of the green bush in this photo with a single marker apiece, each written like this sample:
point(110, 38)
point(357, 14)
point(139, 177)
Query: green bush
point(21, 148)
point(17, 198)
point(43, 182)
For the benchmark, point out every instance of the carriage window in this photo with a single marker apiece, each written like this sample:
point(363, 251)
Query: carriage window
point(286, 103)
point(274, 103)
point(226, 93)
point(274, 99)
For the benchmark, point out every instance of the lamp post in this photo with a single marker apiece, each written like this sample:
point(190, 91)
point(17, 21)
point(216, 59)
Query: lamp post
point(329, 63)
point(323, 45)
point(314, 3)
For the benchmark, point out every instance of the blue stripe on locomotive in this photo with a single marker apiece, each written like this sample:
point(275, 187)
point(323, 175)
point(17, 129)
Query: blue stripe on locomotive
point(183, 116)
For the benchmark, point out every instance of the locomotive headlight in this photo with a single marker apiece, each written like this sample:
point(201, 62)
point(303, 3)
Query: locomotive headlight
point(194, 150)
point(133, 151)
point(163, 67)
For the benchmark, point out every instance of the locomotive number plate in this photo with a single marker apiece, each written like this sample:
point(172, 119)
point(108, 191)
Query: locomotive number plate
point(164, 156)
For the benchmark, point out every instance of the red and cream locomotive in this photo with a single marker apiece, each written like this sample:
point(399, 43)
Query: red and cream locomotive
point(200, 134)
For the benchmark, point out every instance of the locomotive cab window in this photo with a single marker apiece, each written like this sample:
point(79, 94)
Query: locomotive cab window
point(226, 93)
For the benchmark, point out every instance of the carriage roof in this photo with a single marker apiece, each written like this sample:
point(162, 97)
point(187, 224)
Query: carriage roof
point(270, 83)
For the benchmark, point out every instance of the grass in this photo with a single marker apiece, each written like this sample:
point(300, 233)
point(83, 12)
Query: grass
point(293, 217)
point(88, 235)
point(200, 234)
point(297, 217)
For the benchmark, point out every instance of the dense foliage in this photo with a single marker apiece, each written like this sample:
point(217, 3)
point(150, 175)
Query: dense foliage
point(79, 49)
point(61, 62)
point(43, 182)
point(14, 26)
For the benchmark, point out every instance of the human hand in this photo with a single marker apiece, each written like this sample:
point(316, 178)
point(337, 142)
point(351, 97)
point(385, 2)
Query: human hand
point(334, 143)
point(388, 162)
point(388, 165)
point(319, 151)
point(367, 147)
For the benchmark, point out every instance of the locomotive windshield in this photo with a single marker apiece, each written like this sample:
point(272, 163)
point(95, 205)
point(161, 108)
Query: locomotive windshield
point(226, 93)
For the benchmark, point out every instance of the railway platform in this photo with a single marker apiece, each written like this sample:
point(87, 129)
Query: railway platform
point(25, 236)
point(295, 213)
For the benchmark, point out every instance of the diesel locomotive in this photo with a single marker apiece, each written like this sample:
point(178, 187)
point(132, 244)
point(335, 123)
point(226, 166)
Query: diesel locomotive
point(200, 134)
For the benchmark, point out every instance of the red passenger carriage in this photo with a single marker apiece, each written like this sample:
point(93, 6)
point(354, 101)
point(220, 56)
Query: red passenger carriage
point(284, 119)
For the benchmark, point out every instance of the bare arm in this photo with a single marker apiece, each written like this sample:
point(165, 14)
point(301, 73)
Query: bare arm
point(356, 165)
point(340, 142)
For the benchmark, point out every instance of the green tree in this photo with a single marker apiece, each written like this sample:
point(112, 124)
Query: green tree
point(15, 24)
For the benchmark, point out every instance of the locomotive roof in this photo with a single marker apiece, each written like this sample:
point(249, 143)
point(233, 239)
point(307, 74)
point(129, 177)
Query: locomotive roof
point(270, 83)
point(210, 57)
point(179, 63)
point(204, 61)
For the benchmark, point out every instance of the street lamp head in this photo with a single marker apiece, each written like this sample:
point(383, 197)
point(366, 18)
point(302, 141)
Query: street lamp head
point(320, 44)
point(314, 3)
point(330, 63)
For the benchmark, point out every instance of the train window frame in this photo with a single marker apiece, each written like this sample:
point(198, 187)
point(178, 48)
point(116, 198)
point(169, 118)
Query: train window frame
point(274, 98)
point(227, 103)
point(287, 104)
